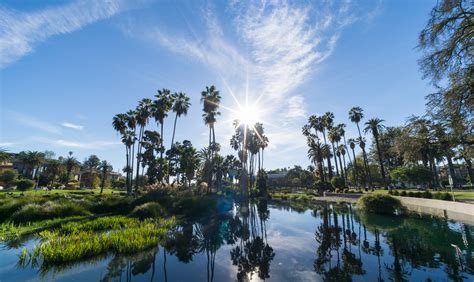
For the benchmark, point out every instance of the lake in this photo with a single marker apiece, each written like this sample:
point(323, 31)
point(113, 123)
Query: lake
point(275, 242)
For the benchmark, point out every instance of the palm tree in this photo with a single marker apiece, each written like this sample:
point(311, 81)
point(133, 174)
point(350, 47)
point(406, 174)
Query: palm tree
point(180, 106)
point(341, 151)
point(143, 113)
point(71, 163)
point(105, 168)
point(352, 144)
point(119, 123)
point(333, 136)
point(356, 114)
point(342, 133)
point(161, 106)
point(318, 123)
point(211, 99)
point(375, 126)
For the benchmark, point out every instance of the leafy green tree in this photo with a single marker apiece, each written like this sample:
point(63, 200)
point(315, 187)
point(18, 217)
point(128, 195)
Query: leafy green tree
point(412, 174)
point(8, 177)
point(447, 39)
point(5, 156)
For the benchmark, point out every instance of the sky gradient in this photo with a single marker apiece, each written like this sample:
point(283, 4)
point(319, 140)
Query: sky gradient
point(66, 68)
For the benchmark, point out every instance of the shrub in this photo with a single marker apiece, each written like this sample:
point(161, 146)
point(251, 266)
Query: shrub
point(337, 182)
point(379, 203)
point(48, 210)
point(403, 193)
point(443, 196)
point(427, 195)
point(9, 177)
point(148, 210)
point(25, 184)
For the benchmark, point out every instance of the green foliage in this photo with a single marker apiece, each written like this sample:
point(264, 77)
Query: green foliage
point(148, 210)
point(9, 177)
point(59, 247)
point(379, 203)
point(25, 184)
point(261, 183)
point(119, 183)
point(337, 182)
point(412, 174)
point(48, 210)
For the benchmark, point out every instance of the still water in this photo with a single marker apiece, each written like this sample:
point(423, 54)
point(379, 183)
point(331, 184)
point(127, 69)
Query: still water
point(266, 241)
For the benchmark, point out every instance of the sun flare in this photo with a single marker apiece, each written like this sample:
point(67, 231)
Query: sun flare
point(248, 115)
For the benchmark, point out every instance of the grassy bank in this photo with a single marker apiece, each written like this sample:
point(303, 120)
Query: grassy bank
point(461, 195)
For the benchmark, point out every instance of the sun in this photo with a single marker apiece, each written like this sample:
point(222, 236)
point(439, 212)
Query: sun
point(248, 115)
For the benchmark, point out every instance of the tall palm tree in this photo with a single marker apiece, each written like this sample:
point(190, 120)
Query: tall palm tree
point(352, 144)
point(375, 126)
point(341, 151)
point(333, 136)
point(211, 99)
point(180, 107)
point(119, 122)
point(356, 114)
point(143, 113)
point(105, 168)
point(161, 106)
point(319, 125)
point(342, 133)
point(71, 163)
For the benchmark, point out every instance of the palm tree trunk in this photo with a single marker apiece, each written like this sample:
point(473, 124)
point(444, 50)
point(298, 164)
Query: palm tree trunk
point(354, 171)
point(451, 170)
point(335, 158)
point(139, 151)
point(469, 169)
point(364, 155)
point(382, 169)
point(342, 171)
point(161, 152)
point(328, 159)
point(345, 147)
point(172, 142)
point(127, 171)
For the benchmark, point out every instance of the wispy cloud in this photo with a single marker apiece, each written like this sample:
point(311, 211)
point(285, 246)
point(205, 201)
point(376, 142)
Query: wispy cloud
point(77, 144)
point(7, 144)
point(20, 32)
point(296, 107)
point(72, 126)
point(34, 122)
point(278, 46)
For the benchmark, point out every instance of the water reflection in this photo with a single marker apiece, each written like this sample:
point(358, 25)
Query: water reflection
point(347, 246)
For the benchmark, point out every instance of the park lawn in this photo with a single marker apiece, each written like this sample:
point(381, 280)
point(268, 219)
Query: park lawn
point(461, 195)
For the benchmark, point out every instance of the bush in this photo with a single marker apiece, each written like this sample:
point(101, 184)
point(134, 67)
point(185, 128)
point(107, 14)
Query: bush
point(25, 184)
point(395, 193)
point(48, 210)
point(9, 177)
point(337, 182)
point(427, 195)
point(443, 196)
point(148, 210)
point(403, 193)
point(379, 203)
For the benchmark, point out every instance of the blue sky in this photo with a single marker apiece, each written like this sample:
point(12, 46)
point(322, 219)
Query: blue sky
point(66, 68)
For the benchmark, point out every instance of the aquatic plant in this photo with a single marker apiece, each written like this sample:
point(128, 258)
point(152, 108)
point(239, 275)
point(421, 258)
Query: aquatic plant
point(148, 210)
point(48, 210)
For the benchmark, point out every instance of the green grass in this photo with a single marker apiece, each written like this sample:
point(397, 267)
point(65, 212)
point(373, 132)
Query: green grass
point(461, 195)
point(12, 231)
point(77, 241)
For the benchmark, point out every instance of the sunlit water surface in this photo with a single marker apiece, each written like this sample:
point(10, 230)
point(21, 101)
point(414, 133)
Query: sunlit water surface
point(273, 242)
